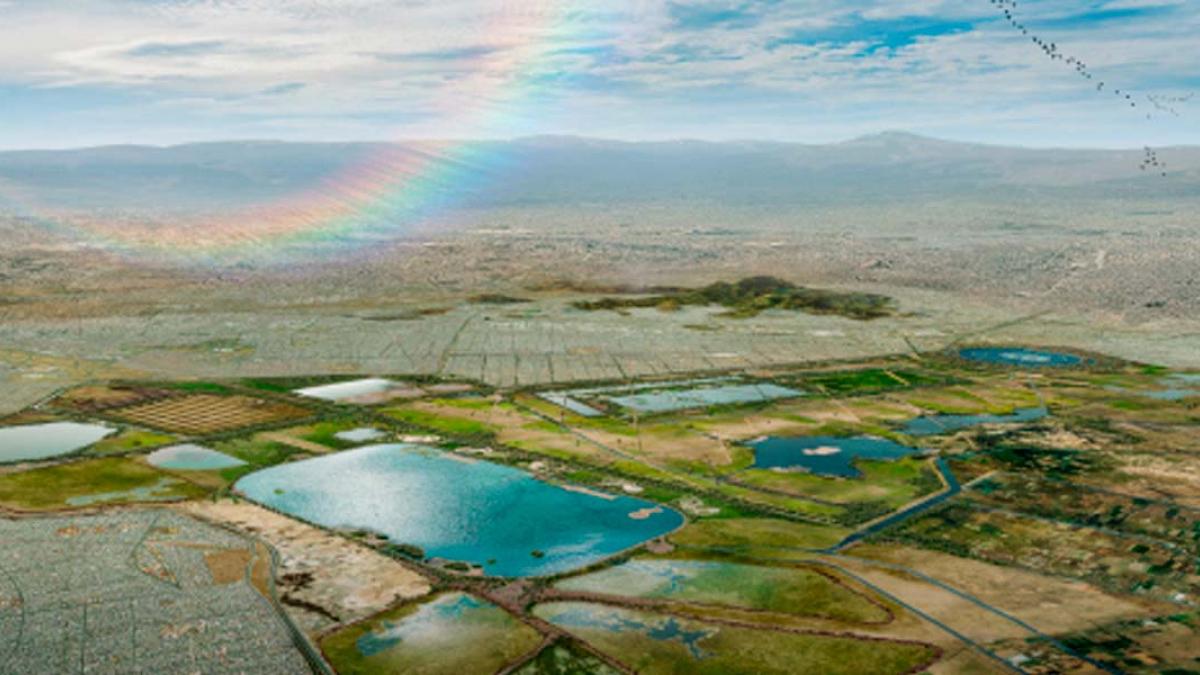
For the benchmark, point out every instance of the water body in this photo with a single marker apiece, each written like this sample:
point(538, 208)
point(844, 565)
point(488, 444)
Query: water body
point(342, 391)
point(360, 435)
point(565, 401)
point(928, 425)
point(669, 401)
point(614, 620)
point(189, 457)
point(824, 455)
point(1019, 356)
point(41, 441)
point(475, 511)
point(436, 618)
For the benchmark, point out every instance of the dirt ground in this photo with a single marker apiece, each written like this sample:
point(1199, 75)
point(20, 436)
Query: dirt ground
point(323, 579)
point(1049, 604)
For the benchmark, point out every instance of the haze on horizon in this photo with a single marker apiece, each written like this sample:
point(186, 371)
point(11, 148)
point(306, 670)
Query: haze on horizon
point(162, 72)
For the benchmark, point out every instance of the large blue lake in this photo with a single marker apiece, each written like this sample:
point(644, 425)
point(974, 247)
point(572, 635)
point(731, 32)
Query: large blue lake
point(1019, 356)
point(479, 512)
point(824, 455)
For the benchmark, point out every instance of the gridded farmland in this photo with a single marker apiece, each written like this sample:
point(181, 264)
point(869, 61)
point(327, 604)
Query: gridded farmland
point(208, 413)
point(134, 592)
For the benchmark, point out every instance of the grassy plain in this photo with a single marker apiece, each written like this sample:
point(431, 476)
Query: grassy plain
point(109, 480)
point(657, 644)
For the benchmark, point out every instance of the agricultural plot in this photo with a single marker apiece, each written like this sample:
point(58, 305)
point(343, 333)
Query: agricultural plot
point(798, 590)
point(452, 634)
point(657, 644)
point(1109, 559)
point(1087, 506)
point(207, 413)
point(1162, 644)
point(139, 591)
point(866, 381)
point(757, 536)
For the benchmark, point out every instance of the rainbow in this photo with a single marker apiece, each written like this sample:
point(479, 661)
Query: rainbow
point(391, 192)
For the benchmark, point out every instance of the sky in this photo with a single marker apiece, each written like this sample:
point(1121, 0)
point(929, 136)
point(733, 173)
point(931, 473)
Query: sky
point(93, 72)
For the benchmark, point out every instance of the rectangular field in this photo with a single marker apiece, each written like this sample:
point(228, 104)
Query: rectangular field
point(208, 413)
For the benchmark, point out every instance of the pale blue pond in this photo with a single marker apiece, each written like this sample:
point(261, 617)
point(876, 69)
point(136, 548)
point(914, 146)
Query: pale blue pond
point(438, 617)
point(188, 457)
point(928, 425)
point(824, 455)
point(360, 435)
point(42, 441)
point(457, 509)
point(1019, 356)
point(669, 401)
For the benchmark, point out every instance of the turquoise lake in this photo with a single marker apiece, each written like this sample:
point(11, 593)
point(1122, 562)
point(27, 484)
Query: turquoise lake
point(1019, 356)
point(824, 455)
point(458, 509)
point(42, 441)
point(928, 425)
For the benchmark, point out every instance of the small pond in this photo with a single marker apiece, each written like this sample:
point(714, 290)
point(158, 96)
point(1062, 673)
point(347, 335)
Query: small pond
point(928, 425)
point(360, 435)
point(344, 391)
point(189, 457)
point(1019, 356)
point(824, 455)
point(501, 518)
point(42, 441)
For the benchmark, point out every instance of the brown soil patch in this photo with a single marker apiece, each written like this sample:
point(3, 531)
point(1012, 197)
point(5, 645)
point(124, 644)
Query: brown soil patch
point(323, 578)
point(1052, 605)
point(227, 566)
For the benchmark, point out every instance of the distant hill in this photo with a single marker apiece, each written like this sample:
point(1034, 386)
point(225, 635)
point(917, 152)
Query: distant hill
point(568, 170)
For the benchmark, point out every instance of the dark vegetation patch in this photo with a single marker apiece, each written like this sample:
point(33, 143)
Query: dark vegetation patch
point(496, 299)
point(870, 380)
point(750, 296)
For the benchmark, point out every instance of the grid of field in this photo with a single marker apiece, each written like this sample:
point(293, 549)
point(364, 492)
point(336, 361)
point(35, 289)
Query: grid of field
point(208, 413)
point(145, 591)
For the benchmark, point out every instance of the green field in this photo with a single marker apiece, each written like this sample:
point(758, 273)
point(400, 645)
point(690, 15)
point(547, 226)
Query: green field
point(893, 483)
point(657, 644)
point(566, 659)
point(110, 480)
point(794, 590)
point(452, 634)
point(129, 440)
point(755, 534)
point(258, 454)
point(447, 424)
point(868, 381)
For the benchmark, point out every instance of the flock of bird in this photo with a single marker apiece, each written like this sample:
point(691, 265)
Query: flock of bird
point(1151, 161)
point(1167, 104)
